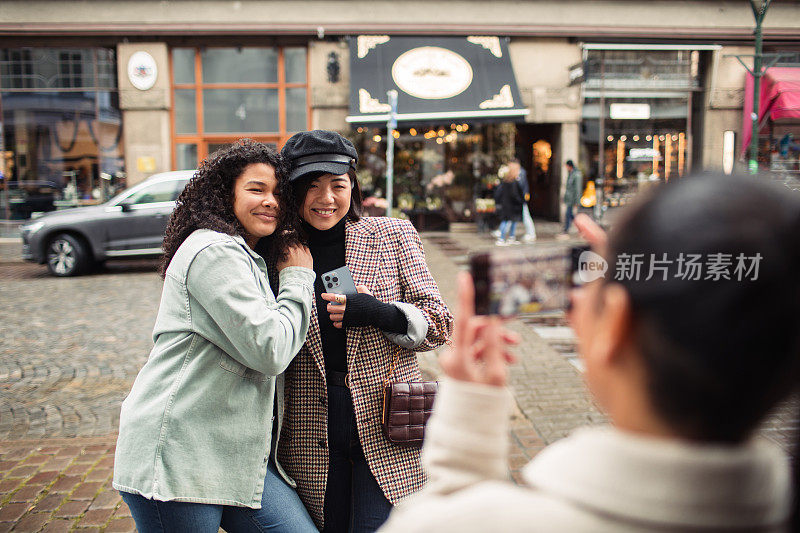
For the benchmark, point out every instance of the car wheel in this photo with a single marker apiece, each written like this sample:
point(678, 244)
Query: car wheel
point(66, 256)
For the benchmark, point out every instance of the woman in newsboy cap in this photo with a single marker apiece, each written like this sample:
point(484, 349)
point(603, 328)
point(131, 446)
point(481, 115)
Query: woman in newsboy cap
point(348, 474)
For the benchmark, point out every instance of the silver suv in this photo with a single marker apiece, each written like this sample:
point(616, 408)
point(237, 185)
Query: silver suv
point(129, 225)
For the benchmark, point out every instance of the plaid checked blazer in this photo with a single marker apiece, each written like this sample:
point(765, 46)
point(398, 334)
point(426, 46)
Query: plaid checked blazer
point(386, 255)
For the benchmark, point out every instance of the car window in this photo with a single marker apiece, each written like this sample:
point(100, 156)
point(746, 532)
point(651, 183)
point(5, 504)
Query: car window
point(179, 186)
point(163, 191)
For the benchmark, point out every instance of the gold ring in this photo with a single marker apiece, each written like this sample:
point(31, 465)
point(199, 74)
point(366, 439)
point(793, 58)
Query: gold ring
point(340, 298)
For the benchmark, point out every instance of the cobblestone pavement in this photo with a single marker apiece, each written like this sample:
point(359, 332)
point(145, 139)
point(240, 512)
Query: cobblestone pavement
point(70, 349)
point(69, 352)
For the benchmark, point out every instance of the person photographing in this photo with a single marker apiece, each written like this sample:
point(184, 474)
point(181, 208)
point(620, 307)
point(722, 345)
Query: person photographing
point(686, 367)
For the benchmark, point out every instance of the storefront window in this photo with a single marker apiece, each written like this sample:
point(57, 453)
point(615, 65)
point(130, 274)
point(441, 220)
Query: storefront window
point(779, 153)
point(640, 151)
point(240, 65)
point(222, 94)
point(779, 141)
point(240, 110)
point(443, 167)
point(62, 128)
point(185, 156)
point(183, 65)
point(296, 109)
point(641, 70)
point(295, 65)
point(185, 111)
point(637, 127)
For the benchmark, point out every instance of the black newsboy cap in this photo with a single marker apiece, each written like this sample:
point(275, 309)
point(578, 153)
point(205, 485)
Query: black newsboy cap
point(318, 151)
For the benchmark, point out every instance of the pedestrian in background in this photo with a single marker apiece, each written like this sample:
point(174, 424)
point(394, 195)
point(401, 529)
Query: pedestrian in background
point(572, 195)
point(197, 433)
point(515, 167)
point(510, 198)
point(686, 367)
point(348, 474)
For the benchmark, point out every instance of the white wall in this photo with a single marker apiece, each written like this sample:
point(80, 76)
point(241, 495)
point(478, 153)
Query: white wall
point(541, 67)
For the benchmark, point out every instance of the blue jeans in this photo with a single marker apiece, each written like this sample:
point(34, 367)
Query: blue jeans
point(530, 229)
point(281, 511)
point(354, 501)
point(504, 229)
point(568, 218)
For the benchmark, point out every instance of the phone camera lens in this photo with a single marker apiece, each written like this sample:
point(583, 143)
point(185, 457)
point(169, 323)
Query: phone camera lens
point(336, 280)
point(330, 285)
point(327, 278)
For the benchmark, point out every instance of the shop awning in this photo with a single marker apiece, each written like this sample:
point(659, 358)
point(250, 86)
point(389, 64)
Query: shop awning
point(780, 99)
point(437, 79)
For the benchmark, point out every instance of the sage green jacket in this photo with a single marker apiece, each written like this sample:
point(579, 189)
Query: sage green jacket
point(197, 425)
point(574, 188)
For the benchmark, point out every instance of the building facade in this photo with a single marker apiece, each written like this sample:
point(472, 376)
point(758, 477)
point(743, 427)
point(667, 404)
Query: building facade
point(101, 93)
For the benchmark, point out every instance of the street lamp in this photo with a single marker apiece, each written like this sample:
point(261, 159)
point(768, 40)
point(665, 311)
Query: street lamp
point(391, 125)
point(758, 12)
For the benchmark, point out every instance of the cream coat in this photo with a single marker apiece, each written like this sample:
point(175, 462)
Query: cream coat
point(598, 480)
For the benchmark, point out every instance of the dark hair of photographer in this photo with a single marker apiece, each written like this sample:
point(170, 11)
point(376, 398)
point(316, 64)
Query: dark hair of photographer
point(718, 355)
point(207, 200)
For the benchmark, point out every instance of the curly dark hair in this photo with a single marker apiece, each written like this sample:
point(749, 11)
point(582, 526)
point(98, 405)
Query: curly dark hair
point(207, 200)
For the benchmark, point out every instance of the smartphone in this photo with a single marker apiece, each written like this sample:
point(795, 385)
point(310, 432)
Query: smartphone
point(528, 280)
point(338, 281)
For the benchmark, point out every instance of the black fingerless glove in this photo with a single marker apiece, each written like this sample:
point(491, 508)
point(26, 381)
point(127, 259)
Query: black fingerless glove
point(366, 310)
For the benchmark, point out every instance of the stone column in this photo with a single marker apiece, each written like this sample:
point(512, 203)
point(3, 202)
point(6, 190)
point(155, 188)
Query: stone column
point(723, 106)
point(145, 111)
point(329, 101)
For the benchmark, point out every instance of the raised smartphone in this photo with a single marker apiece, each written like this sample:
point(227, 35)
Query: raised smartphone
point(526, 280)
point(338, 281)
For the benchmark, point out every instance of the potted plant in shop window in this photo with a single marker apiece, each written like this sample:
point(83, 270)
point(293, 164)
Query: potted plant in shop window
point(435, 190)
point(365, 179)
point(485, 215)
point(458, 197)
point(426, 213)
point(439, 183)
point(375, 206)
point(405, 201)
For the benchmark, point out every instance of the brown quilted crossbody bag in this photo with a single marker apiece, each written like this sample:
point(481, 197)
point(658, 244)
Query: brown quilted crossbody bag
point(406, 408)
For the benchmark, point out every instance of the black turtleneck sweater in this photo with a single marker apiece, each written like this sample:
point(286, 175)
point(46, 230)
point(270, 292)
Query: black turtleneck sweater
point(328, 251)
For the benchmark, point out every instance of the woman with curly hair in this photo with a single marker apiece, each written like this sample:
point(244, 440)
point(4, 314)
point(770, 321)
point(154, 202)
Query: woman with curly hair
point(200, 426)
